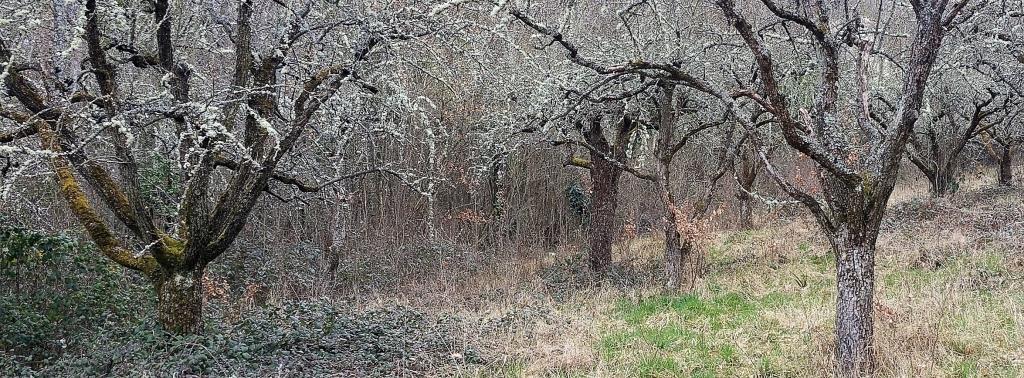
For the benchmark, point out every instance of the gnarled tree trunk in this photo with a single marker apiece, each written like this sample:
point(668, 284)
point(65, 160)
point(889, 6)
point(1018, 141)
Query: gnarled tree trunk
point(605, 203)
point(180, 300)
point(1006, 167)
point(854, 249)
point(683, 262)
point(681, 258)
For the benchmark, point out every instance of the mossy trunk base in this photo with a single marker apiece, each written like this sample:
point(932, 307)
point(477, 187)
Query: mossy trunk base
point(180, 301)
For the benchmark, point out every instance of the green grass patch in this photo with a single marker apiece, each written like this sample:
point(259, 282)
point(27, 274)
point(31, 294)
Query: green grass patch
point(965, 368)
point(513, 369)
point(683, 335)
point(671, 337)
point(824, 262)
point(726, 308)
point(775, 300)
point(655, 366)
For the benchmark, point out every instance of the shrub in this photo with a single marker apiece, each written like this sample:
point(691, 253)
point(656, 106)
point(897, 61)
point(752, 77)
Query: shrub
point(52, 290)
point(307, 338)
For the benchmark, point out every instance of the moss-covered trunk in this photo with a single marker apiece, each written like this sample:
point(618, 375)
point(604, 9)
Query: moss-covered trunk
point(179, 306)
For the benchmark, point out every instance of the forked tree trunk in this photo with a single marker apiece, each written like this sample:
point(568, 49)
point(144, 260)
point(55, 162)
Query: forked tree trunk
point(941, 174)
point(1006, 167)
point(854, 249)
point(746, 174)
point(852, 231)
point(180, 300)
point(683, 261)
point(605, 203)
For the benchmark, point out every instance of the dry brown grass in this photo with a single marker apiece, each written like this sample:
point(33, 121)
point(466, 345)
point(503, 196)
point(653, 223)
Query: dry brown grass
point(949, 302)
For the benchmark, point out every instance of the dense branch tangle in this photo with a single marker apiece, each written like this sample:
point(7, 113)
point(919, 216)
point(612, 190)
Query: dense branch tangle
point(274, 92)
point(858, 152)
point(940, 140)
point(660, 91)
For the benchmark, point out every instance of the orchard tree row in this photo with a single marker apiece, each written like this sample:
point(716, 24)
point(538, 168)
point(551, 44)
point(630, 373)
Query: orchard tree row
point(162, 126)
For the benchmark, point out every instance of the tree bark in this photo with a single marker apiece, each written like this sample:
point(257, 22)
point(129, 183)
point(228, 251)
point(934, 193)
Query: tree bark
point(678, 251)
point(1006, 167)
point(693, 263)
point(498, 228)
point(854, 248)
point(605, 203)
point(683, 261)
point(673, 250)
point(852, 231)
point(943, 183)
point(746, 175)
point(746, 221)
point(180, 300)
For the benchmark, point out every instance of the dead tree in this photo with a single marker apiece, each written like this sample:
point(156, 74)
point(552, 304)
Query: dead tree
point(1002, 142)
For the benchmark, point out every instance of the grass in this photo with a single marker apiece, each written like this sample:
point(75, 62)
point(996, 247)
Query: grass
point(773, 317)
point(779, 324)
point(949, 303)
point(689, 330)
point(699, 335)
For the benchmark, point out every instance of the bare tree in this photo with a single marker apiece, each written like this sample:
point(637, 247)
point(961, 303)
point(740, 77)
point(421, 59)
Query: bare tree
point(937, 146)
point(1001, 144)
point(607, 152)
point(663, 107)
point(858, 155)
point(234, 127)
point(683, 259)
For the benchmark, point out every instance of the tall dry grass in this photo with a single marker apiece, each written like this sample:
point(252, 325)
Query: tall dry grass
point(949, 301)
